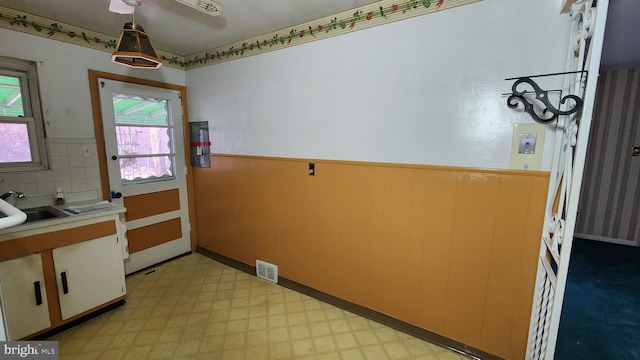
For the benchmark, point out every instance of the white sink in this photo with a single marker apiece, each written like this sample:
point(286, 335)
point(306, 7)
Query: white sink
point(13, 215)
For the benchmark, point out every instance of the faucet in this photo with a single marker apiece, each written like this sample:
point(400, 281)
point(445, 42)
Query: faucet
point(12, 196)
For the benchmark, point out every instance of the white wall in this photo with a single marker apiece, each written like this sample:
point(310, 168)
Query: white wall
point(427, 90)
point(66, 102)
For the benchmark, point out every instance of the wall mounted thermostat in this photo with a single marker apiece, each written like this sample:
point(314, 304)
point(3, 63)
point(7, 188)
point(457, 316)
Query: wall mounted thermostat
point(526, 150)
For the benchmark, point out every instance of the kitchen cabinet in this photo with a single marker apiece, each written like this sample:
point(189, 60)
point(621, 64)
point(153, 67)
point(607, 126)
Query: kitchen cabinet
point(88, 274)
point(24, 298)
point(52, 276)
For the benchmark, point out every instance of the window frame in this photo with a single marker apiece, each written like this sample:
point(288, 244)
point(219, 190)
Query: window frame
point(29, 90)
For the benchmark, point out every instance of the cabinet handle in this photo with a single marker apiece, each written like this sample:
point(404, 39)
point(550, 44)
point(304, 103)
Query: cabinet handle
point(36, 287)
point(65, 286)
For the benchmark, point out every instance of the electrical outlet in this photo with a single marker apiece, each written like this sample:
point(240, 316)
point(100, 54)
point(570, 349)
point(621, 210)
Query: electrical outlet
point(86, 150)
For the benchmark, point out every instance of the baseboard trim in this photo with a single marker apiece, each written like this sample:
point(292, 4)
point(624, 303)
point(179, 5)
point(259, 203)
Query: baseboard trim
point(605, 239)
point(387, 320)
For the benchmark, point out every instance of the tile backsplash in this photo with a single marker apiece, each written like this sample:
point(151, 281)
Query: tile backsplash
point(73, 166)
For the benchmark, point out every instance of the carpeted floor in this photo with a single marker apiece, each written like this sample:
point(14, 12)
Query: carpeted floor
point(601, 311)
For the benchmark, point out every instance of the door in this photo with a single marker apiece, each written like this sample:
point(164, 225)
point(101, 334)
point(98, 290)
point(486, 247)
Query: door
point(565, 180)
point(89, 274)
point(143, 135)
point(24, 299)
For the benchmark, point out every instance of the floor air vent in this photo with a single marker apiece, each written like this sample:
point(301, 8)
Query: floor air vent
point(267, 271)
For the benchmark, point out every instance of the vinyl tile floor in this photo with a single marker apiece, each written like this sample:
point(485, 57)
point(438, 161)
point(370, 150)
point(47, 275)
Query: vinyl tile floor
point(196, 308)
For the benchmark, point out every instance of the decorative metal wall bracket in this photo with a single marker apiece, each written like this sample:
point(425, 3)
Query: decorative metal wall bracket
point(549, 111)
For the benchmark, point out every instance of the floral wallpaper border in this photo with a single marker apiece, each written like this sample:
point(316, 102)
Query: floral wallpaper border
point(44, 27)
point(379, 13)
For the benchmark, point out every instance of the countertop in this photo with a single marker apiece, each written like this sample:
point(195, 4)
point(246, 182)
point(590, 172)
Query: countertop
point(71, 218)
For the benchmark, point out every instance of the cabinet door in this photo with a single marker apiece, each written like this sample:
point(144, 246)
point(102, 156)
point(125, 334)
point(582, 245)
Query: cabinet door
point(89, 274)
point(24, 297)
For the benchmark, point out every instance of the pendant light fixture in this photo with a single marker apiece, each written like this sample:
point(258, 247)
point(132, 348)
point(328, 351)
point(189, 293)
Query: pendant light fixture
point(134, 47)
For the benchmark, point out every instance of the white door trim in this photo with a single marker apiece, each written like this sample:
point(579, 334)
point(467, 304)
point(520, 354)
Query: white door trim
point(572, 136)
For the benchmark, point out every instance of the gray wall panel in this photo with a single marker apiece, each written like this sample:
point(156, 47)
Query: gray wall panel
point(610, 199)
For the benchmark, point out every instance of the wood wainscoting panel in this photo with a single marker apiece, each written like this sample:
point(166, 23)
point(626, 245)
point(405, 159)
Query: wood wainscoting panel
point(471, 241)
point(290, 203)
point(528, 266)
point(152, 235)
point(415, 246)
point(442, 248)
point(390, 242)
point(356, 186)
point(506, 257)
point(163, 201)
point(437, 248)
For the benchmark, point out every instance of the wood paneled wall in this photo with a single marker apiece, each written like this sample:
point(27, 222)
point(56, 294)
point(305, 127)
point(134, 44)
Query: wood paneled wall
point(451, 250)
point(610, 198)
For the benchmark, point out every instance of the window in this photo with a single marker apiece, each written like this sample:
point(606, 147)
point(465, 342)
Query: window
point(144, 135)
point(21, 128)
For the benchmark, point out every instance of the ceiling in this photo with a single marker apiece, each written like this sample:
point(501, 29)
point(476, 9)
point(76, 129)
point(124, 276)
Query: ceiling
point(183, 31)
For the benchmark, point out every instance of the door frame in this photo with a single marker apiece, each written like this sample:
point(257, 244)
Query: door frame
point(572, 138)
point(102, 152)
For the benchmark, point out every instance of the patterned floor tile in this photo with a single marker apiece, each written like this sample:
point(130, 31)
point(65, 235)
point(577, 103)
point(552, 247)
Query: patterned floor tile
point(196, 308)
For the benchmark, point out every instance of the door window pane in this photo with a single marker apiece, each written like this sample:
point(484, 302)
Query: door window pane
point(147, 168)
point(133, 109)
point(142, 140)
point(144, 136)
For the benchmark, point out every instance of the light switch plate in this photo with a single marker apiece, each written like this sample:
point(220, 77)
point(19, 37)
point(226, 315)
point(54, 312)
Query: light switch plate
point(526, 149)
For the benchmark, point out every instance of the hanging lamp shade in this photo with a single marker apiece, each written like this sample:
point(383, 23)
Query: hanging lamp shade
point(134, 49)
